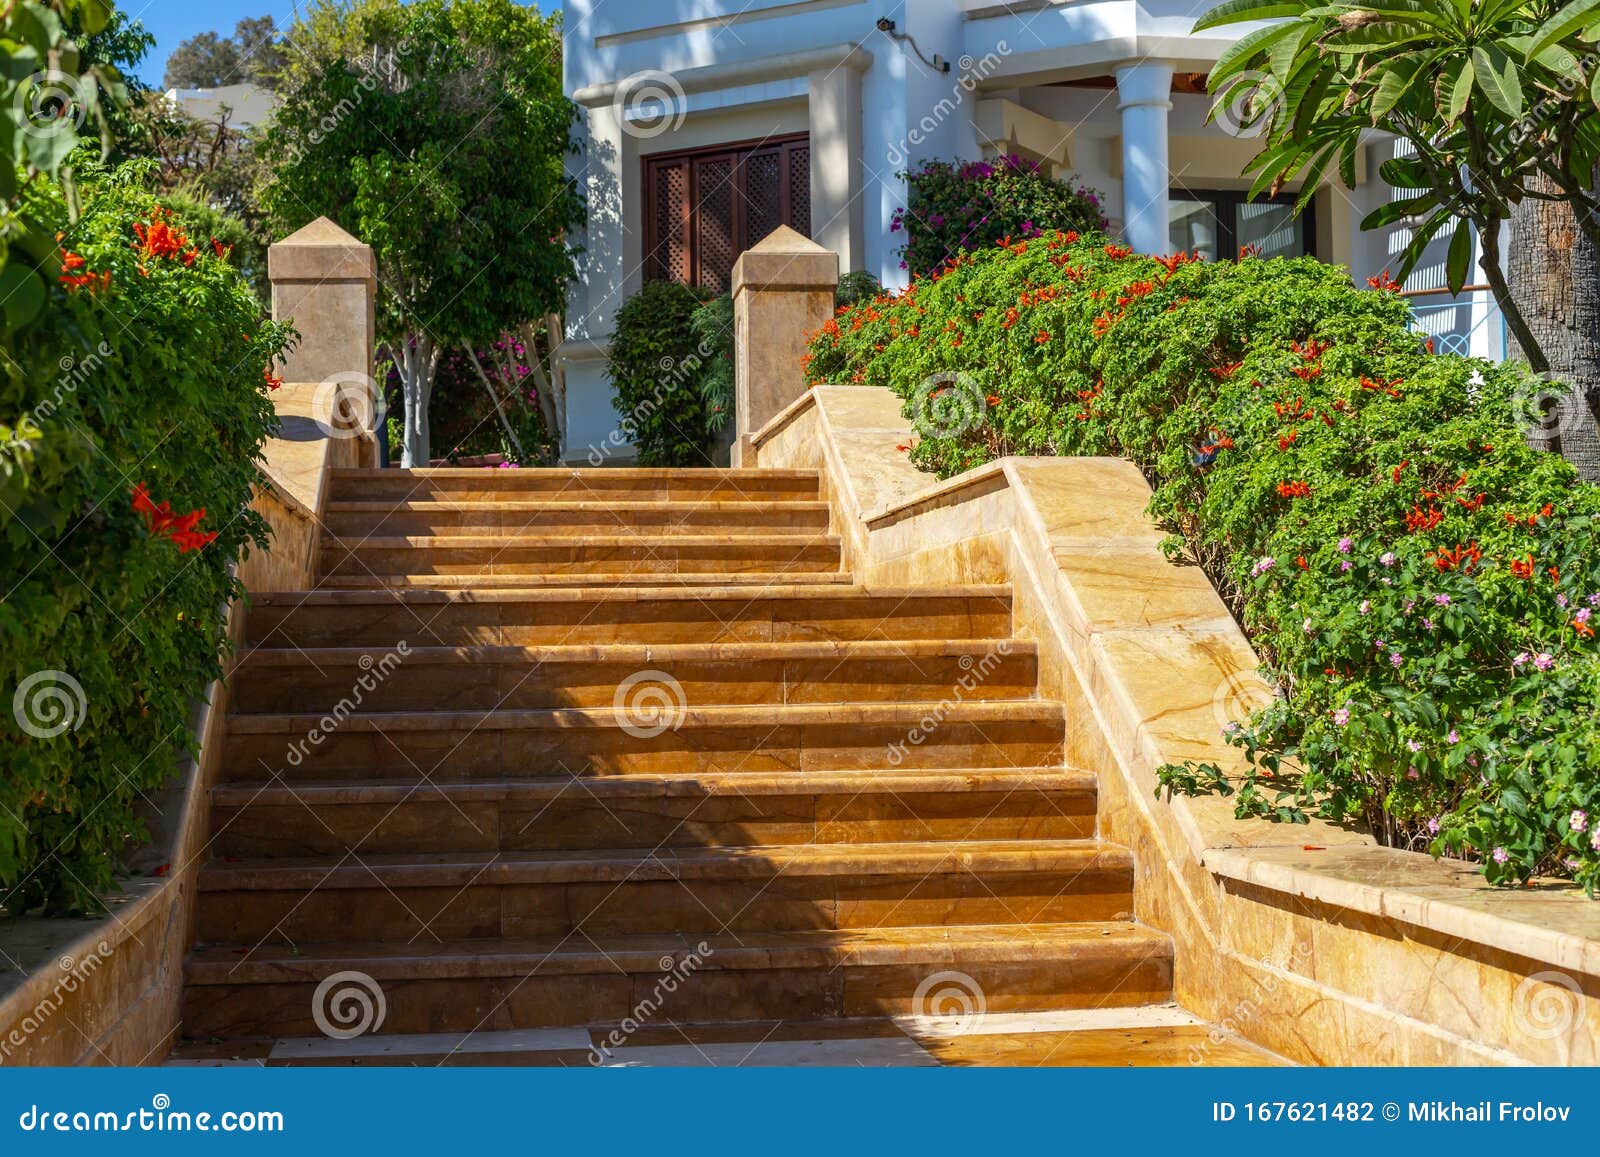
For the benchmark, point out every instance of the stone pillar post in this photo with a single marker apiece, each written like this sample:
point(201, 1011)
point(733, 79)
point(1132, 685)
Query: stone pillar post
point(1145, 98)
point(325, 282)
point(782, 291)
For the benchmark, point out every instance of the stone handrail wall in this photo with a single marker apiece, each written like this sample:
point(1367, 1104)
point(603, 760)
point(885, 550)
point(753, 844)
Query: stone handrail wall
point(1309, 940)
point(107, 991)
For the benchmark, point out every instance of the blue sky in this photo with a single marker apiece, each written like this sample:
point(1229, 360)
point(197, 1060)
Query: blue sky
point(174, 21)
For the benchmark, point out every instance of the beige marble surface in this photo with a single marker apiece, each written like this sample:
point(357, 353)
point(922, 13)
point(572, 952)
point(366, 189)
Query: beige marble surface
point(1308, 939)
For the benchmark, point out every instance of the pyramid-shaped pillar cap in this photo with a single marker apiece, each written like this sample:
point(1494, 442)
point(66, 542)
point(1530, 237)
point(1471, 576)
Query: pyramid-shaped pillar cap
point(785, 259)
point(321, 251)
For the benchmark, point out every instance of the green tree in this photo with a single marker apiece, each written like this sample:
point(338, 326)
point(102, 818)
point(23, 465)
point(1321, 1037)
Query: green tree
point(56, 97)
point(1495, 97)
point(436, 132)
point(252, 55)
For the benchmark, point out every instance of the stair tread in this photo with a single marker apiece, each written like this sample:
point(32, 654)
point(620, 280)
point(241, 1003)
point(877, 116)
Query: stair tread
point(620, 506)
point(741, 590)
point(461, 869)
point(690, 580)
point(656, 785)
point(479, 540)
point(600, 473)
point(642, 652)
point(772, 715)
point(1059, 944)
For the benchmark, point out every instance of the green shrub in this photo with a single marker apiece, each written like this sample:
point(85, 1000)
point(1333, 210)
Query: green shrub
point(1418, 580)
point(954, 209)
point(656, 365)
point(712, 328)
point(855, 287)
point(144, 374)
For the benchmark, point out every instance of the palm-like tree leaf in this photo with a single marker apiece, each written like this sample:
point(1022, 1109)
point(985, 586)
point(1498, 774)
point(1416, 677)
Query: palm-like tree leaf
point(1237, 11)
point(1572, 18)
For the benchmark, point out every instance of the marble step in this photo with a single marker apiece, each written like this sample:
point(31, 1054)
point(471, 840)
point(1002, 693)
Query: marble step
point(531, 581)
point(355, 520)
point(649, 734)
point(733, 613)
point(515, 678)
point(268, 992)
point(1159, 1035)
point(464, 484)
point(660, 811)
point(777, 888)
point(575, 554)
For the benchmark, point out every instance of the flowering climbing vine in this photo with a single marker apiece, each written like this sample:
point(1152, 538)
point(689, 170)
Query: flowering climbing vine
point(1420, 583)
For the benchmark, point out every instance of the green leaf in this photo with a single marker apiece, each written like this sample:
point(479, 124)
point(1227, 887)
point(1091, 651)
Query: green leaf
point(1498, 77)
point(22, 294)
point(1573, 17)
point(1237, 11)
point(1243, 52)
point(1460, 91)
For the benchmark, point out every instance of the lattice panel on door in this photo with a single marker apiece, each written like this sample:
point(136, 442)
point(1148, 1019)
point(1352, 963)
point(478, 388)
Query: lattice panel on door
point(715, 210)
point(670, 258)
point(704, 208)
point(800, 189)
point(763, 195)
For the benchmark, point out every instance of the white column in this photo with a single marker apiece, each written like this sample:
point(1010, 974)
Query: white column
point(836, 192)
point(1144, 94)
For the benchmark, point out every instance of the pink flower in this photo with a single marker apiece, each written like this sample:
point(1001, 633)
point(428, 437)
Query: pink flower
point(1544, 660)
point(1413, 773)
point(1500, 855)
point(1347, 565)
point(1341, 717)
point(1345, 544)
point(1396, 659)
point(1263, 565)
point(1366, 607)
point(1387, 558)
point(1594, 840)
point(1454, 737)
point(1441, 600)
point(1582, 616)
point(1308, 627)
point(1414, 745)
point(1521, 659)
point(1433, 827)
point(1578, 820)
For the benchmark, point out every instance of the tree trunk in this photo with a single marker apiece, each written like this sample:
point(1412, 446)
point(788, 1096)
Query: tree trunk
point(1554, 273)
point(417, 360)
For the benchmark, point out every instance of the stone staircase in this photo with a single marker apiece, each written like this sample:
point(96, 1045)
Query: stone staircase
point(544, 736)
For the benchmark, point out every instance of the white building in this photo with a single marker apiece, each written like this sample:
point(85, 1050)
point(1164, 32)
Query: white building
point(246, 104)
point(706, 123)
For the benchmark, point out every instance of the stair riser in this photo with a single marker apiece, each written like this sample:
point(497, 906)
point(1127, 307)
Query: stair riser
point(485, 753)
point(675, 558)
point(465, 685)
point(357, 525)
point(764, 902)
point(458, 624)
point(1107, 980)
point(527, 486)
point(577, 821)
